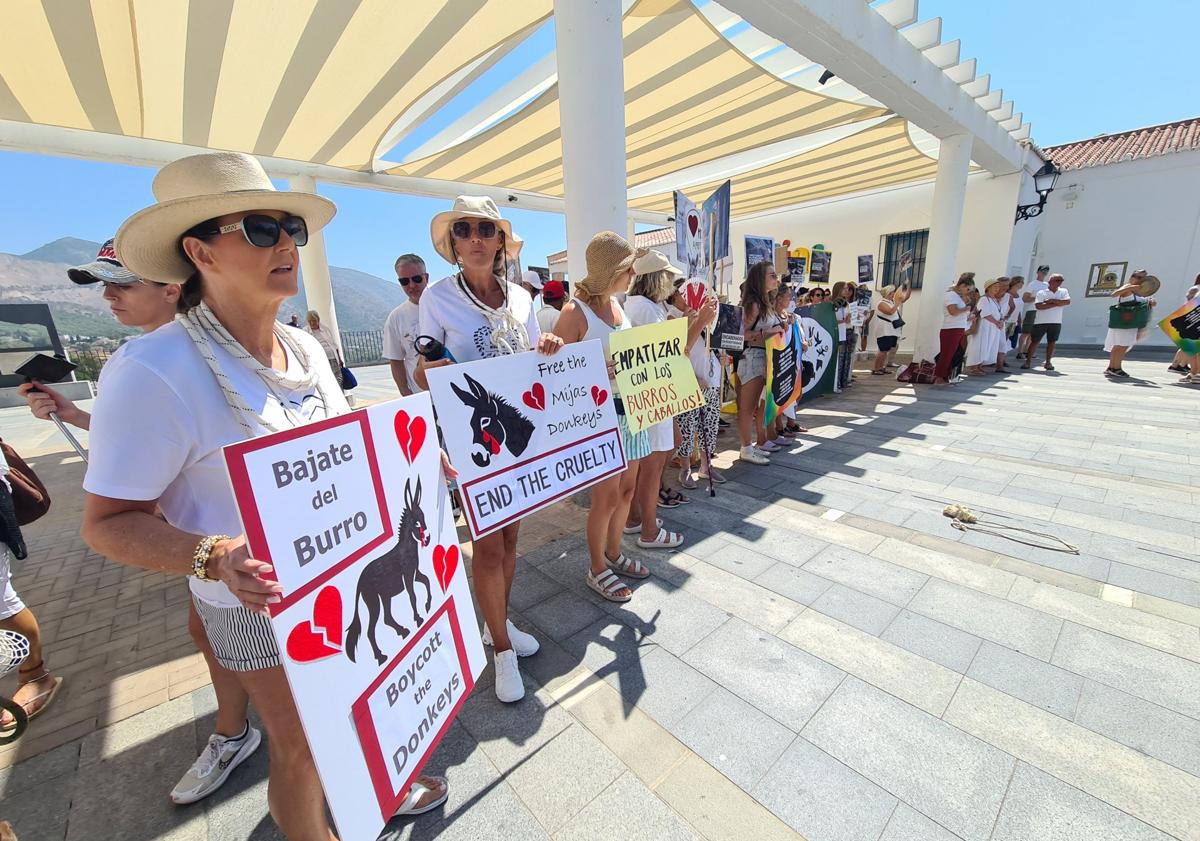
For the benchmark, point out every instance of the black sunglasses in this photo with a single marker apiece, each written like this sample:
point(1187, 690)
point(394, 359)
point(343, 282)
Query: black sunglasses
point(416, 279)
point(262, 231)
point(462, 229)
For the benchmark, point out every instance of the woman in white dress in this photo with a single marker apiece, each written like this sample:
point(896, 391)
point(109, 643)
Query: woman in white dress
point(983, 346)
point(1120, 340)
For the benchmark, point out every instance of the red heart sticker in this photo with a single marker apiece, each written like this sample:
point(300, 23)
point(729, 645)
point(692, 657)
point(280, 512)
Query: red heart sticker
point(694, 292)
point(535, 398)
point(445, 562)
point(305, 645)
point(693, 222)
point(599, 395)
point(410, 433)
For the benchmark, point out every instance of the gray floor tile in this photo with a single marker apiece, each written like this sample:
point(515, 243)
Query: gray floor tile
point(530, 587)
point(1164, 679)
point(1033, 681)
point(629, 811)
point(1155, 583)
point(742, 753)
point(741, 560)
point(933, 640)
point(667, 615)
point(1141, 725)
point(864, 612)
point(508, 733)
point(793, 583)
point(954, 778)
point(1014, 626)
point(672, 688)
point(784, 682)
point(38, 770)
point(821, 798)
point(907, 824)
point(562, 615)
point(867, 574)
point(1045, 808)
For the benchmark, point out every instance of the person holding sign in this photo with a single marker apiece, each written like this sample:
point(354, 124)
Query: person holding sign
point(596, 314)
point(478, 314)
point(223, 373)
point(1120, 340)
point(761, 323)
point(704, 422)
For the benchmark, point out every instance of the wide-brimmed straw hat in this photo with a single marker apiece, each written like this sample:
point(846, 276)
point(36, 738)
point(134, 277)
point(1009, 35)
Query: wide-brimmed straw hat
point(607, 254)
point(994, 282)
point(198, 188)
point(655, 261)
point(471, 207)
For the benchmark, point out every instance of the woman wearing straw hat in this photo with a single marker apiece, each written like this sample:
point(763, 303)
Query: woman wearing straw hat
point(224, 372)
point(595, 314)
point(476, 314)
point(983, 346)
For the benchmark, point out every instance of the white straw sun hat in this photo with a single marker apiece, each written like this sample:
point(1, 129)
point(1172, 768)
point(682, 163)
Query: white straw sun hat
point(197, 188)
point(471, 207)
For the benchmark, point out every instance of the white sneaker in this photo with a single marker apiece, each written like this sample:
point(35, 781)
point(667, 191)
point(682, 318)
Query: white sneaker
point(768, 447)
point(210, 770)
point(753, 456)
point(524, 644)
point(509, 686)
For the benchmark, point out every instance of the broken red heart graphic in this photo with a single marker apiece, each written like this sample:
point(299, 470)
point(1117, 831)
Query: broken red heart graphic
point(535, 398)
point(694, 292)
point(599, 395)
point(693, 222)
point(304, 645)
point(410, 433)
point(445, 562)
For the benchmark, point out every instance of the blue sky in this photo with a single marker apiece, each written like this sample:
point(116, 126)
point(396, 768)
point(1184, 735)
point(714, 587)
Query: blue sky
point(1076, 68)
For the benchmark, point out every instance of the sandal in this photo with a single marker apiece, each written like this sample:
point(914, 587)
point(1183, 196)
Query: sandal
point(629, 567)
point(717, 477)
point(664, 540)
point(671, 499)
point(638, 528)
point(409, 807)
point(36, 705)
point(609, 586)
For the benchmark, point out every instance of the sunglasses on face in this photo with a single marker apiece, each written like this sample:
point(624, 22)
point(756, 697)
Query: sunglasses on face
point(415, 280)
point(463, 229)
point(262, 231)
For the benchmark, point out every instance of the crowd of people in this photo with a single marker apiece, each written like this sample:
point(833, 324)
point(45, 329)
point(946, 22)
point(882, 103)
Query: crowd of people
point(203, 272)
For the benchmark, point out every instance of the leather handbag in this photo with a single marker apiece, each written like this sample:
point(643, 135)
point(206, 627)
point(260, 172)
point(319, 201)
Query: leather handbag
point(30, 497)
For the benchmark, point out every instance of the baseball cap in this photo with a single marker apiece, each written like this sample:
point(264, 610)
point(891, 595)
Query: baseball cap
point(106, 267)
point(655, 261)
point(533, 279)
point(1043, 268)
point(553, 290)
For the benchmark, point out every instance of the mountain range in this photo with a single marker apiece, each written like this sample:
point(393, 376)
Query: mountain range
point(40, 276)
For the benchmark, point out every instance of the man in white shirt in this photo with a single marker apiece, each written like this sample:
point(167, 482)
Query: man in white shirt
point(1028, 298)
point(402, 327)
point(554, 295)
point(1048, 319)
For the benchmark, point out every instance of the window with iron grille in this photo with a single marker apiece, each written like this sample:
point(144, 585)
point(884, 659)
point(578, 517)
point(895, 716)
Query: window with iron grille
point(903, 258)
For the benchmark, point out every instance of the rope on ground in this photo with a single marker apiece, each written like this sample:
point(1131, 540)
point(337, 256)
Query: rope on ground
point(964, 519)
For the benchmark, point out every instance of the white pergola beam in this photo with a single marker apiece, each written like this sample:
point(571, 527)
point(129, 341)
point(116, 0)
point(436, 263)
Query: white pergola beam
point(1002, 113)
point(1023, 132)
point(962, 72)
point(1013, 123)
point(979, 86)
point(924, 35)
point(899, 12)
point(856, 43)
point(945, 55)
point(992, 100)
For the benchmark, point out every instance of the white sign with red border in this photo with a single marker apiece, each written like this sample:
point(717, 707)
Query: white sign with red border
point(526, 430)
point(375, 625)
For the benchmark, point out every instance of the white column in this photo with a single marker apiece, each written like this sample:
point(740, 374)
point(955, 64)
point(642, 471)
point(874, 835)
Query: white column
point(314, 267)
point(591, 93)
point(949, 197)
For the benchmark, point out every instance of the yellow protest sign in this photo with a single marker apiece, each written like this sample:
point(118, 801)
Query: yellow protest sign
point(654, 377)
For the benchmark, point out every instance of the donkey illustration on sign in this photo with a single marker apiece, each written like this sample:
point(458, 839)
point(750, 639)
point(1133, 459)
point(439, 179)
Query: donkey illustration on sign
point(495, 422)
point(392, 573)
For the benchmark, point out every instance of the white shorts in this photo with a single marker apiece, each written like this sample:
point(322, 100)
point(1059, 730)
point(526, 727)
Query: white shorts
point(662, 436)
point(10, 602)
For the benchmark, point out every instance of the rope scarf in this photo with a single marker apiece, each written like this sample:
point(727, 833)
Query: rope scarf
point(509, 335)
point(205, 331)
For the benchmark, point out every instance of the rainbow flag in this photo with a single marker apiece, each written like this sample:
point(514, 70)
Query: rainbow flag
point(1183, 327)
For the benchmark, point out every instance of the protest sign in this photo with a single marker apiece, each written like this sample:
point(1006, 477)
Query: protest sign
point(1183, 327)
point(818, 364)
point(526, 430)
point(727, 332)
point(759, 250)
point(654, 376)
point(796, 269)
point(818, 269)
point(783, 384)
point(353, 515)
point(866, 268)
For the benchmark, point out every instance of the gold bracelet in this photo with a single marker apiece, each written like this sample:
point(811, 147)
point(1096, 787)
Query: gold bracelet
point(203, 554)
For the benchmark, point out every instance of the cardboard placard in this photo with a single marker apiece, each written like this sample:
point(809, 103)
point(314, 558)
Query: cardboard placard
point(353, 514)
point(654, 375)
point(526, 430)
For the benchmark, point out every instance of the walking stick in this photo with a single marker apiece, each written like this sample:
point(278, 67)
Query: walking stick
point(712, 263)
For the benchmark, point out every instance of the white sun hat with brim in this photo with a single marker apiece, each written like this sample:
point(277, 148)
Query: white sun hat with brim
point(198, 188)
point(655, 261)
point(471, 207)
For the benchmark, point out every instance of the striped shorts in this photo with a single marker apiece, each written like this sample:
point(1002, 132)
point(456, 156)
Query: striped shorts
point(637, 444)
point(241, 641)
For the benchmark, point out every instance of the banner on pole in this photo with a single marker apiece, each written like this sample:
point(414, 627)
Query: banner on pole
point(353, 515)
point(819, 361)
point(784, 383)
point(654, 375)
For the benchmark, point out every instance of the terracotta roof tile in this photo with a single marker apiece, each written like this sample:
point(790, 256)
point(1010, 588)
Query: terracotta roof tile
point(1150, 142)
point(655, 238)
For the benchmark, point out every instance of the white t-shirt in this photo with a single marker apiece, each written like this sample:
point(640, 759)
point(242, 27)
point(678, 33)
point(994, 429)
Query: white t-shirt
point(1053, 315)
point(1018, 306)
point(963, 319)
point(842, 313)
point(160, 421)
point(450, 317)
point(1033, 288)
point(547, 318)
point(640, 311)
point(399, 339)
point(881, 324)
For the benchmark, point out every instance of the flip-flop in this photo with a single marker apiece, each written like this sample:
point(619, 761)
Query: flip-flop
point(48, 694)
point(408, 807)
point(664, 540)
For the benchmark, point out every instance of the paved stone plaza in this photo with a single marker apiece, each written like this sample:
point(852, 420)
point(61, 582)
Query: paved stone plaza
point(826, 659)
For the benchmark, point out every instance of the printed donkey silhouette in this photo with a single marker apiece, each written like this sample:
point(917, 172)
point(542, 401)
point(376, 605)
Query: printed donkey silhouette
point(495, 422)
point(390, 574)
